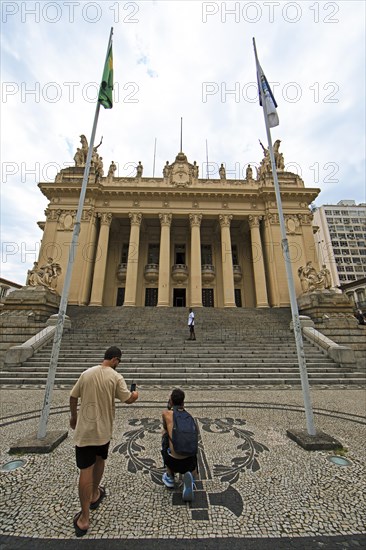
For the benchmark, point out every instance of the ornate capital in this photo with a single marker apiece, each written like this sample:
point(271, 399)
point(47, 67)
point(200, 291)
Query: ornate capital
point(225, 220)
point(165, 219)
point(135, 217)
point(305, 219)
point(87, 215)
point(52, 215)
point(195, 220)
point(273, 219)
point(254, 221)
point(105, 218)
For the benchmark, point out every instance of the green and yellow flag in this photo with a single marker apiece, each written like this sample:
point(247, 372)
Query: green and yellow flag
point(106, 88)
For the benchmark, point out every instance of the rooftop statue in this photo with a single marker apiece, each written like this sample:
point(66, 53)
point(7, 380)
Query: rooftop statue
point(222, 172)
point(139, 170)
point(112, 169)
point(166, 170)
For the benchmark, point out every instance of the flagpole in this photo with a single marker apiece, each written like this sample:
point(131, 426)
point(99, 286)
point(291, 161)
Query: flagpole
point(42, 430)
point(154, 158)
point(290, 280)
point(181, 134)
point(207, 170)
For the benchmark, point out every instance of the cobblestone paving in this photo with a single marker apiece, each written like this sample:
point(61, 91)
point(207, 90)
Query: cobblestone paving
point(255, 483)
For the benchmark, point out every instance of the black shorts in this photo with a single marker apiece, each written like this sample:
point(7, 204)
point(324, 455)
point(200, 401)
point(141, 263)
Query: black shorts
point(179, 465)
point(86, 456)
point(191, 328)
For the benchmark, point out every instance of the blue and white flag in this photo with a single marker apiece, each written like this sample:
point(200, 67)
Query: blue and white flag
point(268, 97)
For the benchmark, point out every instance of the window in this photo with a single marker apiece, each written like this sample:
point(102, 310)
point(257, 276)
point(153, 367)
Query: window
point(153, 254)
point(343, 277)
point(351, 277)
point(124, 253)
point(234, 251)
point(349, 269)
point(206, 254)
point(180, 254)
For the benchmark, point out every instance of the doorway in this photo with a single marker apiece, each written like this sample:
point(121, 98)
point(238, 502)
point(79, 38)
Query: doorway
point(120, 296)
point(179, 297)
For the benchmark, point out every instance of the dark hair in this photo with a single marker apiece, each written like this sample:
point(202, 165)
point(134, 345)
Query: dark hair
point(112, 352)
point(177, 397)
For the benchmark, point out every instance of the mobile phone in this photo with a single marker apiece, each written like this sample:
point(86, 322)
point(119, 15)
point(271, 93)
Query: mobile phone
point(133, 387)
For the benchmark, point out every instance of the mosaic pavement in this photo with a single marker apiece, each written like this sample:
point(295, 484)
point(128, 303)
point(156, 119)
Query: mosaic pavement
point(256, 489)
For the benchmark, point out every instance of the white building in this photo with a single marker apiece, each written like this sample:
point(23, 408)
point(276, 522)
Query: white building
point(6, 287)
point(340, 237)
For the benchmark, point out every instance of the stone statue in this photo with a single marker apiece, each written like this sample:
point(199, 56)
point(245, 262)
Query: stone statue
point(139, 170)
point(279, 160)
point(327, 276)
point(99, 169)
point(45, 275)
point(222, 172)
point(195, 170)
point(112, 169)
point(249, 173)
point(265, 165)
point(310, 279)
point(34, 276)
point(79, 157)
point(84, 148)
point(166, 170)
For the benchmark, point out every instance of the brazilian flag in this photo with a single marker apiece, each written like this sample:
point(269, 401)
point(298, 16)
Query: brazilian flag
point(106, 88)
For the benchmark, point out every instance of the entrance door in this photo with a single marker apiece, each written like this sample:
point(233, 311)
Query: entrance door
point(179, 297)
point(151, 297)
point(120, 296)
point(207, 297)
point(237, 292)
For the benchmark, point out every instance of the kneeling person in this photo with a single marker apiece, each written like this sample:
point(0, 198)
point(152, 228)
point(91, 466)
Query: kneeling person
point(180, 442)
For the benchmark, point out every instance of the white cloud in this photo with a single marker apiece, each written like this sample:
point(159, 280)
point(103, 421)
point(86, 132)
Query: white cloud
point(166, 60)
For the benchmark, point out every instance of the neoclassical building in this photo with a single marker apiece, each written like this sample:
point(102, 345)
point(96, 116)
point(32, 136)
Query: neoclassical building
point(178, 240)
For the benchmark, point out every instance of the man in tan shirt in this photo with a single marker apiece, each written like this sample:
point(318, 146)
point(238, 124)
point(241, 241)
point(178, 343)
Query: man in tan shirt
point(98, 387)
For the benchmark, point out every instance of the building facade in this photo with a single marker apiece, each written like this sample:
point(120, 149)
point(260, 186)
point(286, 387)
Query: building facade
point(341, 240)
point(6, 287)
point(178, 240)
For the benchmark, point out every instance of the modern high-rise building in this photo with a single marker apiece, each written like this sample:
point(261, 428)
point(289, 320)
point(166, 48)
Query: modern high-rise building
point(340, 236)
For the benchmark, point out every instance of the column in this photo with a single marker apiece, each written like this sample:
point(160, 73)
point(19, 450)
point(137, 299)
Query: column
point(227, 261)
point(96, 298)
point(133, 259)
point(164, 260)
point(258, 262)
point(196, 268)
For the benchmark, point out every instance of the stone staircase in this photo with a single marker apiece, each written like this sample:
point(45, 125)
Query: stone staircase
point(346, 332)
point(233, 347)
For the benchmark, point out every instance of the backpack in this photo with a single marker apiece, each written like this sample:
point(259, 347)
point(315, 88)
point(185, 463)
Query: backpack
point(184, 433)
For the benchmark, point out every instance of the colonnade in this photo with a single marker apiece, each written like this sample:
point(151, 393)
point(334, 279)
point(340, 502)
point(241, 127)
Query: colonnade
point(164, 283)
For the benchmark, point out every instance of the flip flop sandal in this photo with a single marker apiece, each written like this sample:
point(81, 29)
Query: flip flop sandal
point(95, 505)
point(78, 531)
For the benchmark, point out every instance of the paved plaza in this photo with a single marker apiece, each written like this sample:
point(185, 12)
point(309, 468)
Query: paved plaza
point(257, 488)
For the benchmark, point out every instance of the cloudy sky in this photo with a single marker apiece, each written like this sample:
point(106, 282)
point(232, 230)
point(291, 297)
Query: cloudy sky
point(176, 59)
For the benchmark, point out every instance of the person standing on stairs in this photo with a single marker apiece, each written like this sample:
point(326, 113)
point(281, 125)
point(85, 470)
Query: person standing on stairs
point(192, 335)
